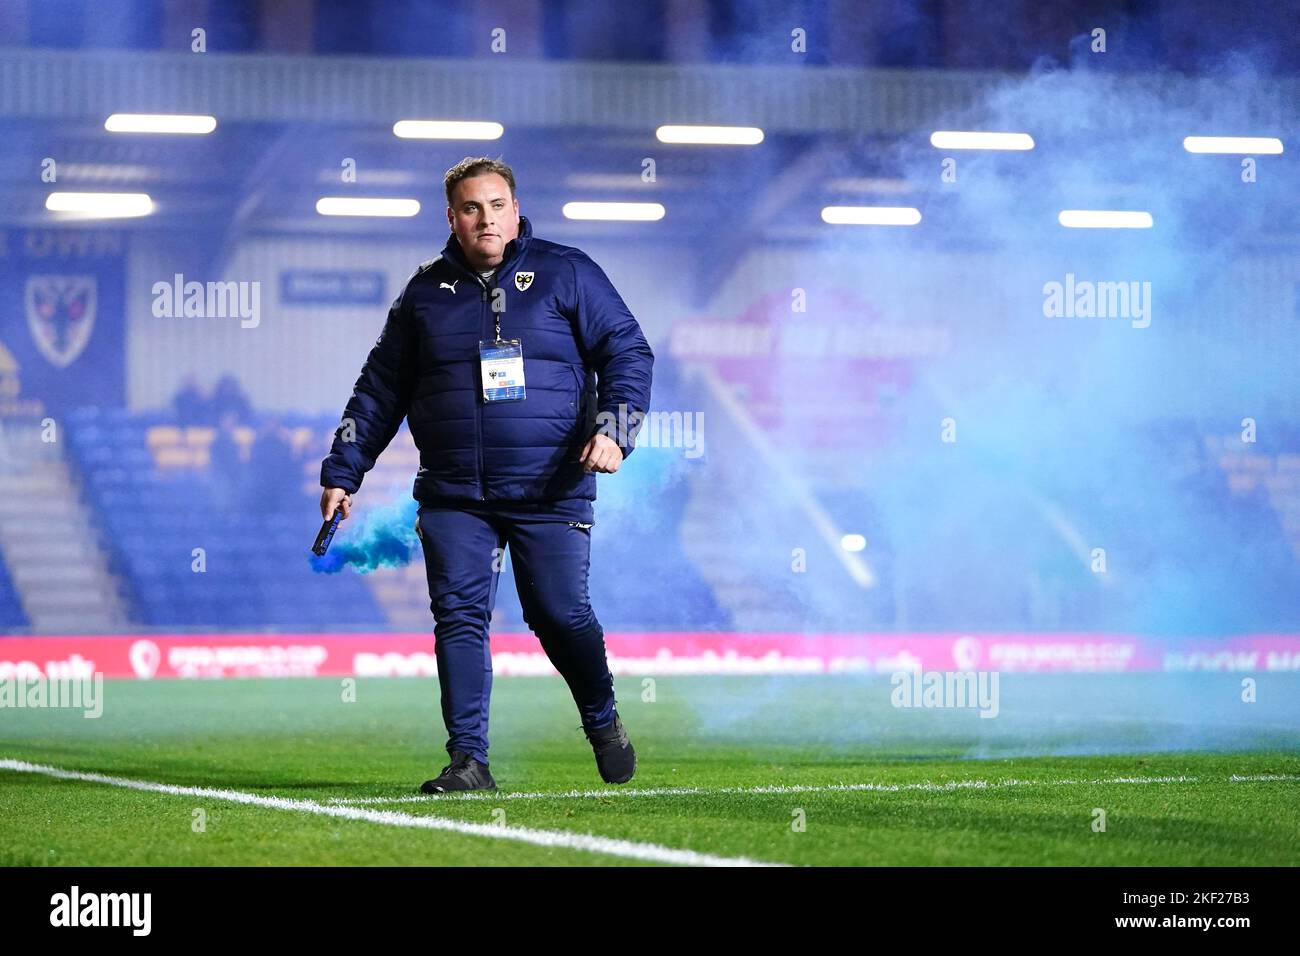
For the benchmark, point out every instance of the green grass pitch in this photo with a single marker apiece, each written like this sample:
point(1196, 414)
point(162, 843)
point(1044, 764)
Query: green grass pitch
point(816, 770)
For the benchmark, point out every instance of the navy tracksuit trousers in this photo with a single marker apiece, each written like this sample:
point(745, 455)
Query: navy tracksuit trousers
point(550, 548)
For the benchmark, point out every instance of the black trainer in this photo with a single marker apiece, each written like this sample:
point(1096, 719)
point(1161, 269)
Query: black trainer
point(615, 758)
point(463, 773)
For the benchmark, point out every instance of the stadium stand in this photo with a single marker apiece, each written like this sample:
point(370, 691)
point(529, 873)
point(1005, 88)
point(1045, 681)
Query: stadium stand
point(223, 543)
point(12, 617)
point(195, 559)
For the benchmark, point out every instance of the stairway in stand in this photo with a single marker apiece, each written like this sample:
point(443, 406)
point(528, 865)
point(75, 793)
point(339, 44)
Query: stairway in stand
point(49, 541)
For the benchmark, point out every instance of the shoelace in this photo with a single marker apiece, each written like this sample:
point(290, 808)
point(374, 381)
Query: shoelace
point(603, 737)
point(461, 763)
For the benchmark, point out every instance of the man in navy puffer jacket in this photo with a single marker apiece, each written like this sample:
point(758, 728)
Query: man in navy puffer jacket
point(518, 472)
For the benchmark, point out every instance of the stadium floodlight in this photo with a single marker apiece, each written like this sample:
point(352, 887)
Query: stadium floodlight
point(954, 139)
point(1238, 145)
point(710, 135)
point(853, 542)
point(614, 211)
point(365, 206)
point(100, 205)
point(160, 123)
point(1104, 219)
point(871, 215)
point(447, 129)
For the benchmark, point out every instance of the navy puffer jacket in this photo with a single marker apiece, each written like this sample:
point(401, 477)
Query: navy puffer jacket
point(572, 324)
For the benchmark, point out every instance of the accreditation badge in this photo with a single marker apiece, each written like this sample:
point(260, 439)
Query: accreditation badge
point(502, 365)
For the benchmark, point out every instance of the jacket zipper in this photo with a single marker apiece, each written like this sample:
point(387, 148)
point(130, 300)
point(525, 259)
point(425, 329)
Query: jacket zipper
point(478, 399)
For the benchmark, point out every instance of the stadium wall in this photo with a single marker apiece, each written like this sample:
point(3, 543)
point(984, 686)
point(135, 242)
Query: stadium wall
point(305, 357)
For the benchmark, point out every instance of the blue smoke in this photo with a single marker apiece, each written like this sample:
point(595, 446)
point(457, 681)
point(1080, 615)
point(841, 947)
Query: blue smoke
point(386, 538)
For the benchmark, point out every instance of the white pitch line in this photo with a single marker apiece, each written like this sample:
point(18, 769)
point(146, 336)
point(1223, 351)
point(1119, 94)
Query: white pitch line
point(666, 792)
point(925, 787)
point(586, 842)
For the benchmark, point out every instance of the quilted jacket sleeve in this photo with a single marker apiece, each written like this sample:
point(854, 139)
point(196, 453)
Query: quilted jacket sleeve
point(614, 344)
point(378, 404)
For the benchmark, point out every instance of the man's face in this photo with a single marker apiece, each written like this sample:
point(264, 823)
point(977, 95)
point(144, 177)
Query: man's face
point(484, 217)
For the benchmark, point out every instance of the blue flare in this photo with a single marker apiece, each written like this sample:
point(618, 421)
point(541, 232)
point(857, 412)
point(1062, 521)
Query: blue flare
point(386, 538)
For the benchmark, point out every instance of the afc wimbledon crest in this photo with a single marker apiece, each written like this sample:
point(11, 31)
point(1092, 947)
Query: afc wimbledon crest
point(523, 280)
point(61, 313)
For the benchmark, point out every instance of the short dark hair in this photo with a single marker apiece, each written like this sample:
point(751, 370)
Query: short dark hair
point(477, 166)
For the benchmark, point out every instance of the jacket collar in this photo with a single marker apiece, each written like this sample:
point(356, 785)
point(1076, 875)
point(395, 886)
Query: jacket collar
point(513, 250)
